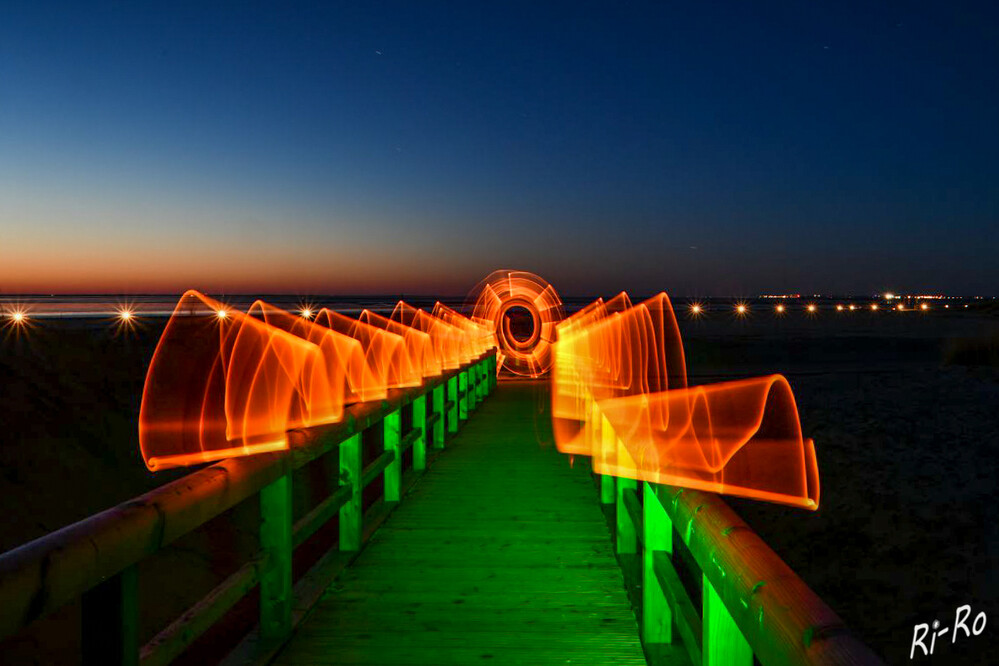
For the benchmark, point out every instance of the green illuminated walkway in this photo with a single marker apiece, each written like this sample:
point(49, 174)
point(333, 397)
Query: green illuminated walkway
point(500, 555)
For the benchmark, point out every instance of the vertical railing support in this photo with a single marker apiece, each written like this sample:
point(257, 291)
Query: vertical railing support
point(608, 440)
point(452, 397)
point(627, 538)
point(439, 424)
point(657, 533)
point(275, 579)
point(350, 475)
point(392, 424)
point(483, 379)
point(723, 643)
point(420, 424)
point(463, 395)
point(110, 621)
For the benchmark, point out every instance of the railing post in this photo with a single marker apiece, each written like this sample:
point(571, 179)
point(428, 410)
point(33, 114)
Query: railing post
point(483, 379)
point(392, 424)
point(607, 440)
point(350, 475)
point(110, 621)
point(723, 643)
point(275, 579)
point(476, 379)
point(439, 411)
point(463, 395)
point(657, 531)
point(420, 422)
point(627, 539)
point(452, 396)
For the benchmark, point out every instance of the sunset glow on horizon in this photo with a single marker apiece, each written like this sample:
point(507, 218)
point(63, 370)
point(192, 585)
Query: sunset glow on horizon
point(254, 150)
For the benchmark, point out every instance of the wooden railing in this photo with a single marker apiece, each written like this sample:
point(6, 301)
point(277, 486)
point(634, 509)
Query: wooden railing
point(96, 559)
point(751, 603)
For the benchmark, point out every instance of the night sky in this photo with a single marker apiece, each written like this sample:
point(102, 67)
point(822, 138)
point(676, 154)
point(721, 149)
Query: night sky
point(700, 148)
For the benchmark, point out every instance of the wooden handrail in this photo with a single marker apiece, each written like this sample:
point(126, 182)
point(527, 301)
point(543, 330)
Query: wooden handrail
point(753, 582)
point(47, 573)
point(753, 604)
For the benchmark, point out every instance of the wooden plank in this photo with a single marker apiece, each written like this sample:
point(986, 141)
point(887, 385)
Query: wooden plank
point(688, 622)
point(376, 467)
point(499, 553)
point(307, 525)
point(172, 641)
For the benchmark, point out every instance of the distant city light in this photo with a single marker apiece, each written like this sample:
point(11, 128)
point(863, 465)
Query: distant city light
point(17, 320)
point(812, 308)
point(889, 295)
point(741, 309)
point(852, 307)
point(125, 315)
point(874, 306)
point(899, 307)
point(924, 306)
point(780, 308)
point(696, 309)
point(839, 308)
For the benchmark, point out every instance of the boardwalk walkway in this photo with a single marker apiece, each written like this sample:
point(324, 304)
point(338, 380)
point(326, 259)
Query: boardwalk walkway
point(499, 555)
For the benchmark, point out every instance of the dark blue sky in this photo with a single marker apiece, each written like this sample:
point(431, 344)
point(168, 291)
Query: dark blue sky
point(699, 148)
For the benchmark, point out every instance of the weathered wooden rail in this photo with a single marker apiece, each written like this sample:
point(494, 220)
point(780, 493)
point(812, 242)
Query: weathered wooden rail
point(727, 598)
point(96, 560)
point(751, 603)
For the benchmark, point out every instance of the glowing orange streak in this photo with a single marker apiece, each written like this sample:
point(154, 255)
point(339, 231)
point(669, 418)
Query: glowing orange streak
point(325, 382)
point(476, 339)
point(445, 338)
point(384, 354)
point(218, 385)
point(620, 395)
point(418, 345)
point(503, 291)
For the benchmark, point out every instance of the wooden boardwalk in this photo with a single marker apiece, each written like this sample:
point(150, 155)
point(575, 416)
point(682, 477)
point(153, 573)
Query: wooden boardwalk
point(499, 555)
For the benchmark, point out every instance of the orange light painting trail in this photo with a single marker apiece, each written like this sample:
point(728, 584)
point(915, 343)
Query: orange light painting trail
point(419, 357)
point(224, 383)
point(503, 292)
point(221, 384)
point(620, 395)
point(448, 341)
